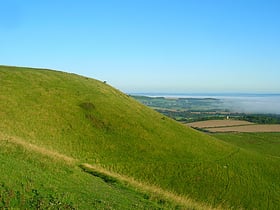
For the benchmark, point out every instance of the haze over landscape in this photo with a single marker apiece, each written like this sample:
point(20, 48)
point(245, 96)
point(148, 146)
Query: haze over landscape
point(140, 104)
point(184, 46)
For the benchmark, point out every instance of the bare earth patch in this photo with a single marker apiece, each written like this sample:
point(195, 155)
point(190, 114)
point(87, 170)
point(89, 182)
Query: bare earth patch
point(218, 123)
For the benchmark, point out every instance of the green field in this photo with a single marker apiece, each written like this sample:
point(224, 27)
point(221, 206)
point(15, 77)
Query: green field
point(267, 144)
point(93, 123)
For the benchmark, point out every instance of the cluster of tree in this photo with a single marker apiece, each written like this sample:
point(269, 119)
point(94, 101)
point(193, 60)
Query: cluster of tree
point(261, 118)
point(189, 104)
point(190, 116)
point(198, 109)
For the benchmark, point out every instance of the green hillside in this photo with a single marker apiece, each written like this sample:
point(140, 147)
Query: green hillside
point(34, 180)
point(93, 123)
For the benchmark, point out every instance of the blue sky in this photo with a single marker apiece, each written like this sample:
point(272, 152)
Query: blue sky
point(149, 45)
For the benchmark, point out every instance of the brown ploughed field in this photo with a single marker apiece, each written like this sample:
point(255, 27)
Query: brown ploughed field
point(247, 128)
point(233, 126)
point(218, 123)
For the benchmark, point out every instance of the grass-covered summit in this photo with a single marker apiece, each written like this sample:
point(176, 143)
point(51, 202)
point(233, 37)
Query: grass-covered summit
point(94, 122)
point(91, 122)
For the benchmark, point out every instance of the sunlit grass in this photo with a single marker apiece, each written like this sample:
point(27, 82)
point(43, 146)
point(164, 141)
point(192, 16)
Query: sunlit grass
point(90, 121)
point(36, 178)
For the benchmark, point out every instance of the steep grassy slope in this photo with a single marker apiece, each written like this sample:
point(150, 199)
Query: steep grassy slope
point(35, 178)
point(96, 124)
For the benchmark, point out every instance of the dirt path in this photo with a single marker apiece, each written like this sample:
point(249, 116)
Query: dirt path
point(182, 200)
point(32, 147)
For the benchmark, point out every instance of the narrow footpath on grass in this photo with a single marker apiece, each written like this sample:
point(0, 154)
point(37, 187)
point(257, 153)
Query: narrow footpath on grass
point(108, 176)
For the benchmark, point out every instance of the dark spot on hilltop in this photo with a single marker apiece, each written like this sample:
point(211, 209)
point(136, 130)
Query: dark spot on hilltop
point(87, 106)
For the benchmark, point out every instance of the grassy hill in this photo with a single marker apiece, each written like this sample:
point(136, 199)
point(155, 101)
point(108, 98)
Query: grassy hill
point(32, 179)
point(91, 122)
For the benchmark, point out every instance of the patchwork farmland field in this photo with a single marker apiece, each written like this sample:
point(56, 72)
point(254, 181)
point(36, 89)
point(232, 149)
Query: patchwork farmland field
point(233, 126)
point(218, 123)
point(247, 128)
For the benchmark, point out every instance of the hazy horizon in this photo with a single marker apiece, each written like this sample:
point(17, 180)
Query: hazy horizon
point(236, 102)
point(149, 45)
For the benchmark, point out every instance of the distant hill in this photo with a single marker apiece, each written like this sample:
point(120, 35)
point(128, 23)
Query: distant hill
point(74, 120)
